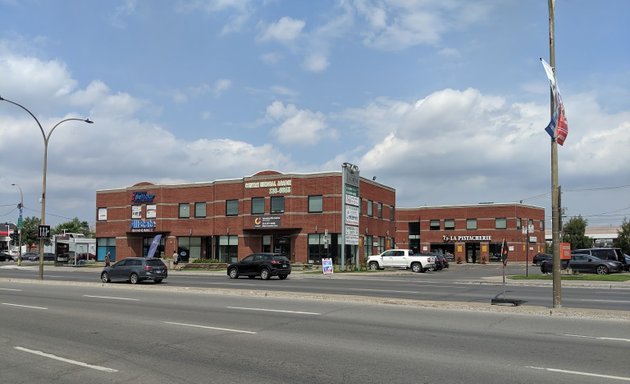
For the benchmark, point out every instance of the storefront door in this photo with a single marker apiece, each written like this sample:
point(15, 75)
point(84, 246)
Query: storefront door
point(472, 252)
point(282, 244)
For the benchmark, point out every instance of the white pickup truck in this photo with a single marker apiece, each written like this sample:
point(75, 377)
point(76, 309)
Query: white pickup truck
point(401, 258)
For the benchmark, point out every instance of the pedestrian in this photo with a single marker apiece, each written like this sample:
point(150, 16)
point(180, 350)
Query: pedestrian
point(175, 259)
point(107, 260)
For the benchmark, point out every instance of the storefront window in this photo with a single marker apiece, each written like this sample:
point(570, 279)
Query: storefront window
point(277, 204)
point(258, 205)
point(146, 245)
point(231, 207)
point(189, 248)
point(315, 204)
point(104, 245)
point(184, 210)
point(471, 223)
point(227, 249)
point(368, 246)
point(316, 248)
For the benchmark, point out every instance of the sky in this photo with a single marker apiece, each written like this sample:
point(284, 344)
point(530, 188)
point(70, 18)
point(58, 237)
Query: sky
point(444, 100)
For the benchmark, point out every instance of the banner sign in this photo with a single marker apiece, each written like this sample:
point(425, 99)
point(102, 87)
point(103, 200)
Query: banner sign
point(267, 222)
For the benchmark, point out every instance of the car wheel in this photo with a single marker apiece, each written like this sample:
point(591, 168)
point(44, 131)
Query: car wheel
point(157, 281)
point(105, 277)
point(264, 274)
point(416, 267)
point(133, 278)
point(282, 277)
point(602, 270)
point(233, 273)
point(373, 266)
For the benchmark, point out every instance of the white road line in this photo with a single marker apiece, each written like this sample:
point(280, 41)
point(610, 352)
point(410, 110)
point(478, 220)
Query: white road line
point(69, 361)
point(111, 298)
point(597, 338)
point(383, 290)
point(276, 310)
point(581, 373)
point(11, 289)
point(24, 306)
point(212, 328)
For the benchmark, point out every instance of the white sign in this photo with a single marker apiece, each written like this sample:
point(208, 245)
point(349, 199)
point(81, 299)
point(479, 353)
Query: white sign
point(352, 215)
point(353, 200)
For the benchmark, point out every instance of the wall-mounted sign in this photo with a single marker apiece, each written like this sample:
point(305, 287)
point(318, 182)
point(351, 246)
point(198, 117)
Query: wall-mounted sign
point(353, 200)
point(142, 197)
point(151, 211)
point(142, 225)
point(275, 186)
point(352, 235)
point(267, 222)
point(467, 238)
point(102, 214)
point(136, 211)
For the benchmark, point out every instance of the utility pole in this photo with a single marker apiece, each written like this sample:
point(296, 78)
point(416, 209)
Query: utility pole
point(555, 209)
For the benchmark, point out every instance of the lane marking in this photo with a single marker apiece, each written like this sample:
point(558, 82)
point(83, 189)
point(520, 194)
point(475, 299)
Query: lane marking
point(24, 306)
point(11, 289)
point(111, 298)
point(581, 373)
point(208, 327)
point(597, 338)
point(63, 359)
point(276, 310)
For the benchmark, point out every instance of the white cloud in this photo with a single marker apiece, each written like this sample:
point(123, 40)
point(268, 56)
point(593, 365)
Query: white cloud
point(316, 62)
point(284, 30)
point(298, 127)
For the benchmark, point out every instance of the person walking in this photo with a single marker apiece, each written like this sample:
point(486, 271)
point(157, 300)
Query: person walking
point(175, 259)
point(107, 260)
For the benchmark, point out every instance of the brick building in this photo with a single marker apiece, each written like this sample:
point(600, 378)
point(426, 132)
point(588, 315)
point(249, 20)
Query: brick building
point(473, 232)
point(225, 220)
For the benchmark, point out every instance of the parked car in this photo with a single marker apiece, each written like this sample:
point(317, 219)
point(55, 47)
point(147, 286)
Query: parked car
point(614, 254)
point(135, 270)
point(5, 257)
point(401, 258)
point(585, 263)
point(540, 257)
point(34, 256)
point(264, 264)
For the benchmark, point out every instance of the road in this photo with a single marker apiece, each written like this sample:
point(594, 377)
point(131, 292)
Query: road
point(59, 332)
point(460, 283)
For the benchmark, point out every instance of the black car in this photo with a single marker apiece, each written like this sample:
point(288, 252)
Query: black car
point(5, 256)
point(540, 257)
point(264, 264)
point(585, 263)
point(614, 254)
point(135, 270)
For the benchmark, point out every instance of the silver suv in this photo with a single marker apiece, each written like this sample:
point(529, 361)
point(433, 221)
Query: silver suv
point(135, 269)
point(614, 254)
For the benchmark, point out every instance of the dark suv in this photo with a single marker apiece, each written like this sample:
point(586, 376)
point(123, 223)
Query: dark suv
point(614, 254)
point(135, 269)
point(263, 264)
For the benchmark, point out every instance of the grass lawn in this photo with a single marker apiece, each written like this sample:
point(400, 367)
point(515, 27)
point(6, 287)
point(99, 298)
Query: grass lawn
point(580, 277)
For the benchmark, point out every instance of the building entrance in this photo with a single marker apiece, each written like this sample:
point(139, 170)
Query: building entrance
point(282, 244)
point(472, 252)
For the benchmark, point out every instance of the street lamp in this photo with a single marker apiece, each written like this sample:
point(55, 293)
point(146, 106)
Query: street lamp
point(46, 138)
point(20, 223)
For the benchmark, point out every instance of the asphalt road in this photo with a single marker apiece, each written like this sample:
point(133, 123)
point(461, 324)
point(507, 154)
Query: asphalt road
point(61, 332)
point(458, 284)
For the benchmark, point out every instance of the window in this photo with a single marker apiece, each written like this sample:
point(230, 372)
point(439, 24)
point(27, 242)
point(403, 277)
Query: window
point(151, 211)
point(315, 204)
point(258, 205)
point(184, 210)
point(379, 210)
point(136, 211)
point(277, 204)
point(434, 225)
point(367, 245)
point(542, 225)
point(227, 249)
point(102, 214)
point(392, 213)
point(231, 207)
point(317, 249)
point(500, 223)
point(519, 223)
point(189, 248)
point(369, 208)
point(200, 209)
point(449, 224)
point(471, 223)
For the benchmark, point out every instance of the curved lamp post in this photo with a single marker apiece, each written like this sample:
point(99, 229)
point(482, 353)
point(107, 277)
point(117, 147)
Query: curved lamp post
point(20, 207)
point(46, 138)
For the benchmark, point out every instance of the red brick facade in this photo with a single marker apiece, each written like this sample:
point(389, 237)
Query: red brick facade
point(125, 227)
point(473, 233)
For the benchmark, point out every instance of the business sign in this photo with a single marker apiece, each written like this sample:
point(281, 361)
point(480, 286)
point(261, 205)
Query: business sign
point(275, 186)
point(142, 197)
point(467, 238)
point(352, 215)
point(143, 225)
point(327, 266)
point(352, 235)
point(267, 222)
point(353, 200)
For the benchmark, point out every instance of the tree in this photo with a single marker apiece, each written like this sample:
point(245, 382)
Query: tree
point(573, 232)
point(623, 237)
point(73, 226)
point(30, 232)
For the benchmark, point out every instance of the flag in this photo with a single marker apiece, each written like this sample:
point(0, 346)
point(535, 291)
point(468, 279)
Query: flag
point(504, 252)
point(154, 245)
point(558, 127)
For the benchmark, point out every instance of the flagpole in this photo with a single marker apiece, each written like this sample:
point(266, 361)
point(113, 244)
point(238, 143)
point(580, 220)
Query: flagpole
point(555, 227)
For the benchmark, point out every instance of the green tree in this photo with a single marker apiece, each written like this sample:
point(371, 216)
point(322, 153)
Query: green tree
point(623, 237)
point(573, 232)
point(73, 226)
point(30, 232)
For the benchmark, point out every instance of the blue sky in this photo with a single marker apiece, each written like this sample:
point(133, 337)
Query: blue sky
point(446, 101)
